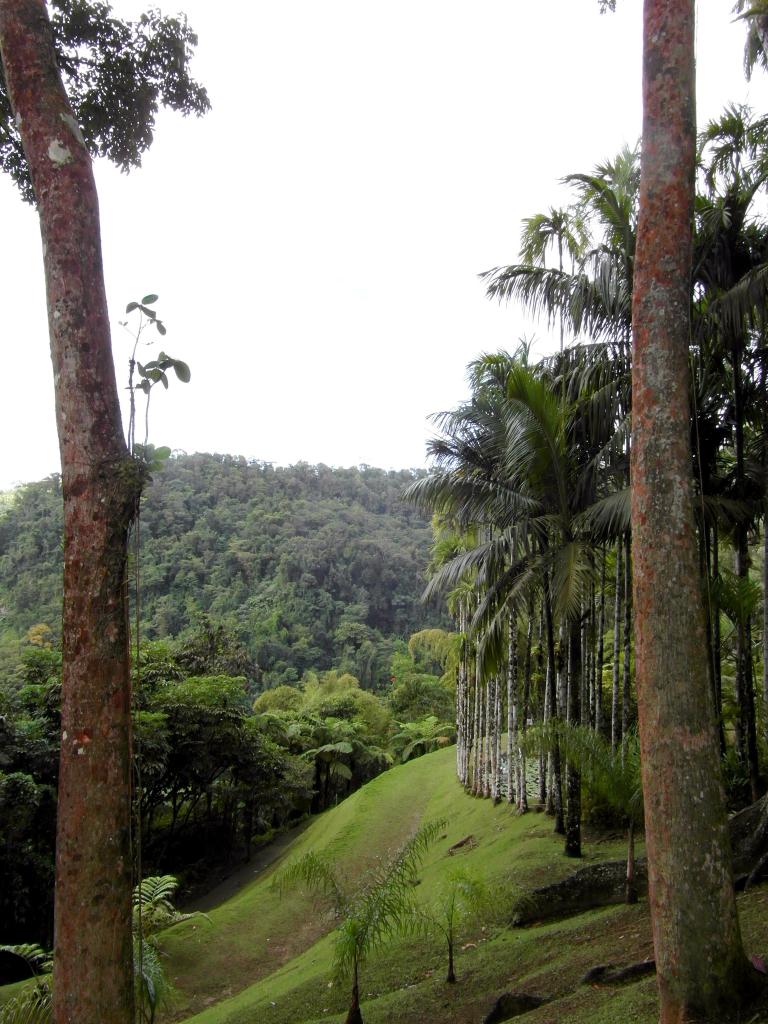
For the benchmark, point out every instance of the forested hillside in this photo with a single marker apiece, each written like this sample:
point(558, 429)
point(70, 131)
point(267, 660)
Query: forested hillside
point(309, 566)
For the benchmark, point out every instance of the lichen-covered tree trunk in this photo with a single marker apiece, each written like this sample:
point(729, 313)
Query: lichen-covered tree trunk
point(702, 969)
point(93, 979)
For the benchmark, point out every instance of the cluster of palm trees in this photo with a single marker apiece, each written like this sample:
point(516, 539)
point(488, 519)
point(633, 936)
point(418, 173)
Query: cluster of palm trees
point(530, 479)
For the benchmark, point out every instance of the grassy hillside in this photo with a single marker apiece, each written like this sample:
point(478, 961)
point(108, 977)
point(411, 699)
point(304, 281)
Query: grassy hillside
point(265, 958)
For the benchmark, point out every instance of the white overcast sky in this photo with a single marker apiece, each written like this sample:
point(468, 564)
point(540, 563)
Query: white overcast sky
point(316, 239)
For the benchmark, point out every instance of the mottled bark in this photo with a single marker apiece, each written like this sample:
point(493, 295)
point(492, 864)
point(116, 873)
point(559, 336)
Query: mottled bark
point(702, 969)
point(93, 979)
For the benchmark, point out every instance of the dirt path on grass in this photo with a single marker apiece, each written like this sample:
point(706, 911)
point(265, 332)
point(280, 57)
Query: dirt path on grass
point(234, 881)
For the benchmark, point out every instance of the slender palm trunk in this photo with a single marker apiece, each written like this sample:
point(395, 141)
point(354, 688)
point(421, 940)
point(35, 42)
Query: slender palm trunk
point(701, 967)
point(765, 613)
point(477, 741)
point(584, 687)
point(572, 776)
point(354, 1016)
point(630, 890)
point(765, 530)
point(461, 706)
point(599, 654)
point(497, 761)
point(615, 722)
point(451, 976)
point(555, 788)
point(522, 789)
point(717, 651)
point(746, 732)
point(511, 708)
point(626, 695)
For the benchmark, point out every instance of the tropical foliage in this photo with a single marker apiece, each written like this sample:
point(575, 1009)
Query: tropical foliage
point(529, 489)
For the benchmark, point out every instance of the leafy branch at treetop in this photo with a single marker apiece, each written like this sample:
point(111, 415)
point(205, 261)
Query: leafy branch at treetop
point(117, 74)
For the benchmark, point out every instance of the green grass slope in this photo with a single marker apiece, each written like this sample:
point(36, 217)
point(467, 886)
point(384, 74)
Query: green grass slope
point(266, 958)
point(263, 957)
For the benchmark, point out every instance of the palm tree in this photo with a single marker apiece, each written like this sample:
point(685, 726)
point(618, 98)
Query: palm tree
point(459, 901)
point(611, 775)
point(382, 905)
point(731, 282)
point(513, 462)
point(756, 45)
point(594, 297)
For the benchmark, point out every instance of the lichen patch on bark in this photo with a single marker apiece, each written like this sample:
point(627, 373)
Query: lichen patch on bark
point(59, 154)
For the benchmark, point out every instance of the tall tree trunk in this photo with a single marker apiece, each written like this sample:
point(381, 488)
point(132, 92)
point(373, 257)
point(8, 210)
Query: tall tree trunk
point(93, 971)
point(701, 967)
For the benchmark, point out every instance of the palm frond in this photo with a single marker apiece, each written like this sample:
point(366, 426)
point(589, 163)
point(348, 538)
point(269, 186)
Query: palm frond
point(607, 518)
point(317, 875)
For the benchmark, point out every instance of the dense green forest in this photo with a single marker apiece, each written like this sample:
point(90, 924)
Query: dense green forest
point(252, 578)
point(310, 567)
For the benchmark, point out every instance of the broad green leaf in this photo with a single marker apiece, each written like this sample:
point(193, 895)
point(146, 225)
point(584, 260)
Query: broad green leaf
point(150, 299)
point(160, 327)
point(182, 371)
point(131, 306)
